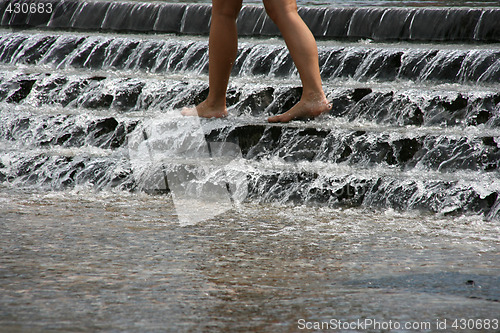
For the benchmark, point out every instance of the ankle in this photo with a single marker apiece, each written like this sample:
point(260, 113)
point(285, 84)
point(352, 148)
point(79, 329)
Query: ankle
point(314, 97)
point(215, 103)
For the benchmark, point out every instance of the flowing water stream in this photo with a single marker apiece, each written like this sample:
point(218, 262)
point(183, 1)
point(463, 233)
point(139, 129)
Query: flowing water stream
point(118, 214)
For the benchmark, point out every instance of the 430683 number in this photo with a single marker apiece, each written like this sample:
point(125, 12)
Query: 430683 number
point(29, 8)
point(475, 324)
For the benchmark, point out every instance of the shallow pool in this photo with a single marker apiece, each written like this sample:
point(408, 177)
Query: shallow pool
point(113, 261)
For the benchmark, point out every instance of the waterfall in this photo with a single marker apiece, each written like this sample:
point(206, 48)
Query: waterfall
point(414, 124)
point(417, 24)
point(157, 55)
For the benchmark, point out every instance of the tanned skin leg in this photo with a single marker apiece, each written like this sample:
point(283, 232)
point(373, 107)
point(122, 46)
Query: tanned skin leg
point(304, 51)
point(223, 48)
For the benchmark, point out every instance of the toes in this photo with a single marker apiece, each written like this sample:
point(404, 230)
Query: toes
point(273, 119)
point(189, 112)
point(204, 113)
point(282, 118)
point(285, 117)
point(301, 111)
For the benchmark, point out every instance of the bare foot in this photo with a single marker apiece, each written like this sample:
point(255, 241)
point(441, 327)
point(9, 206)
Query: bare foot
point(303, 110)
point(205, 111)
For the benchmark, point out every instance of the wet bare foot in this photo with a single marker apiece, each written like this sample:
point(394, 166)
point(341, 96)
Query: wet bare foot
point(205, 111)
point(302, 110)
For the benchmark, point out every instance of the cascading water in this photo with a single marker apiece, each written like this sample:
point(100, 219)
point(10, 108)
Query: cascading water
point(401, 111)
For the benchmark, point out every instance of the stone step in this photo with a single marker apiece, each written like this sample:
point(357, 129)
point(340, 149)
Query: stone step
point(266, 181)
point(451, 63)
point(393, 23)
point(396, 105)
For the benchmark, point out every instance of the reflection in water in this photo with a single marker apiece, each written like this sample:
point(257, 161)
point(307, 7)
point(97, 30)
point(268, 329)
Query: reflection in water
point(118, 261)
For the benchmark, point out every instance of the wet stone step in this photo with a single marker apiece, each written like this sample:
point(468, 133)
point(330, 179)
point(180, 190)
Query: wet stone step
point(426, 106)
point(65, 130)
point(445, 153)
point(438, 196)
point(295, 185)
point(398, 23)
point(98, 92)
point(362, 62)
point(53, 171)
point(356, 147)
point(318, 184)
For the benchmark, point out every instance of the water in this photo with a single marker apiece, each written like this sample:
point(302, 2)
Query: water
point(387, 209)
point(117, 261)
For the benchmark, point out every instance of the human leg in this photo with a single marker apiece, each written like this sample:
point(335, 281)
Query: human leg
point(223, 48)
point(304, 51)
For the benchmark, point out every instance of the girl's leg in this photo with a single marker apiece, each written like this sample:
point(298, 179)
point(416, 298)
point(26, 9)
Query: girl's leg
point(223, 48)
point(304, 51)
